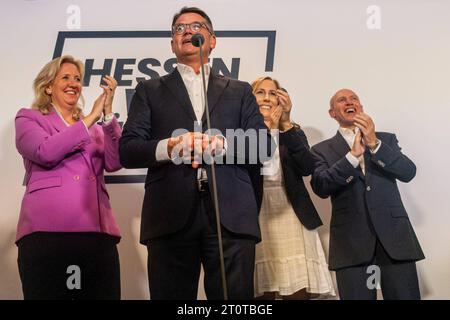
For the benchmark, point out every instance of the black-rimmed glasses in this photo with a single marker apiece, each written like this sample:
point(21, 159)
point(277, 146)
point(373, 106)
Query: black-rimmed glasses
point(194, 26)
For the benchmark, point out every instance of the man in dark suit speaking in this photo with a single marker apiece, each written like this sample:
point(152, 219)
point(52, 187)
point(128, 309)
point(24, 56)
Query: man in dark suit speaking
point(359, 168)
point(178, 221)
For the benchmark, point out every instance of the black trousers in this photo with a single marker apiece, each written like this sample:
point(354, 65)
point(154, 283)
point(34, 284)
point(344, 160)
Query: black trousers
point(398, 279)
point(174, 261)
point(66, 266)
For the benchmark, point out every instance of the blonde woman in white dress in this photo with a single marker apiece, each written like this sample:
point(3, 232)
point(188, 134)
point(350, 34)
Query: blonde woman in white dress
point(290, 261)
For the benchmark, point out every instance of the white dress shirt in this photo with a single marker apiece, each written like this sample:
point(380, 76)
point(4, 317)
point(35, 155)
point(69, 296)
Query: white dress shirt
point(271, 169)
point(193, 83)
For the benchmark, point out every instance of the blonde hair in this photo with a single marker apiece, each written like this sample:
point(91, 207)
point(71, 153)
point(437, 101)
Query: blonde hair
point(42, 100)
point(257, 82)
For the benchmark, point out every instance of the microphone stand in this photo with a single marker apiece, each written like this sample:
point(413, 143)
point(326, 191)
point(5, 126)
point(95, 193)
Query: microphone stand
point(213, 178)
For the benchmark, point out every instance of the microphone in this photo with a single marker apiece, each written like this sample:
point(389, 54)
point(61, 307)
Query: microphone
point(197, 40)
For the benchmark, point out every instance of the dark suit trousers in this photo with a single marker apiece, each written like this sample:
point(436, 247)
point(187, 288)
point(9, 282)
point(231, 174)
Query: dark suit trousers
point(174, 261)
point(398, 279)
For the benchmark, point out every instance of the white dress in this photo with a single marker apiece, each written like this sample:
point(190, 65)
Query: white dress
point(289, 257)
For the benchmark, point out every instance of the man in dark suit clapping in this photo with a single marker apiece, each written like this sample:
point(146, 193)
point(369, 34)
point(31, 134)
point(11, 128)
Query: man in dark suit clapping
point(359, 168)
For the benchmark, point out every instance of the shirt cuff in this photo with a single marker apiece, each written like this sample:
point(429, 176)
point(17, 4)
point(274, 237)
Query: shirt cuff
point(161, 151)
point(376, 149)
point(352, 159)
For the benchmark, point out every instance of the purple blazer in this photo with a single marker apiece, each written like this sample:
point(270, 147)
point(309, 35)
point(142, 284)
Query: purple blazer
point(65, 187)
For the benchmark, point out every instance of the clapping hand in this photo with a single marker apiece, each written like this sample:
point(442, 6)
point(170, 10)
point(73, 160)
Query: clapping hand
point(285, 103)
point(109, 89)
point(367, 128)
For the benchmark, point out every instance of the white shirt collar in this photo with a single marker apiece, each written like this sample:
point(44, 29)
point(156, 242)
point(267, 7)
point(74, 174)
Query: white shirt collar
point(188, 72)
point(193, 84)
point(348, 134)
point(348, 131)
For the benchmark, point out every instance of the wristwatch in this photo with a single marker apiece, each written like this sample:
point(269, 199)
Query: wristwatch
point(108, 117)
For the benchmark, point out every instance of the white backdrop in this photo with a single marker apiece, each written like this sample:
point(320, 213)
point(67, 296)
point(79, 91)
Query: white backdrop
point(395, 55)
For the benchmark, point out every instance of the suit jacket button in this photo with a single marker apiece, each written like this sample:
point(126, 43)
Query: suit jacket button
point(76, 178)
point(368, 188)
point(92, 178)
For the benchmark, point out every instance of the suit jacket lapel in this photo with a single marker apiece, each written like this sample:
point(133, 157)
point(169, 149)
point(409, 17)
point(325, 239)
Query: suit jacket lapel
point(59, 125)
point(283, 154)
point(176, 85)
point(216, 87)
point(340, 146)
point(56, 120)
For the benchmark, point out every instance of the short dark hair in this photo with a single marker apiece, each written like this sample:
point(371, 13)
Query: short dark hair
point(193, 10)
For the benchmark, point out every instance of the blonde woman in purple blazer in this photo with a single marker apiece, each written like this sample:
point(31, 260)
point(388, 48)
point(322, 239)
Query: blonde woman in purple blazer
point(67, 235)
